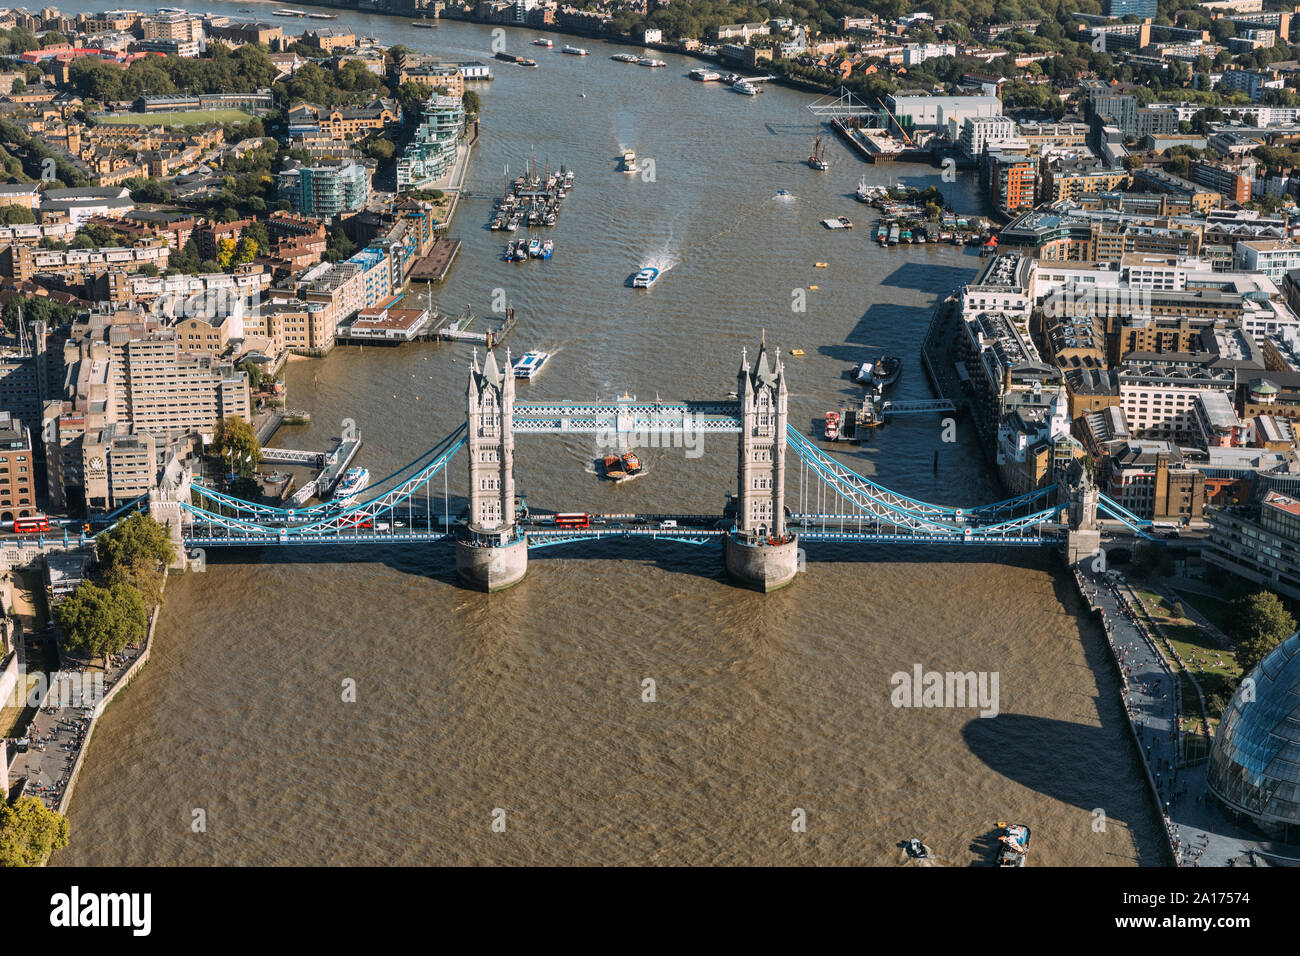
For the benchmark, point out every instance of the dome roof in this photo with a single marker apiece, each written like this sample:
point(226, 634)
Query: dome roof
point(1255, 761)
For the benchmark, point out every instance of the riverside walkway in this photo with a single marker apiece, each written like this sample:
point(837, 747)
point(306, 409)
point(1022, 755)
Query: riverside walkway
point(1198, 833)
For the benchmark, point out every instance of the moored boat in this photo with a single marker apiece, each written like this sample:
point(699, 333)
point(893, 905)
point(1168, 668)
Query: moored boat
point(745, 87)
point(353, 482)
point(548, 248)
point(832, 427)
point(631, 463)
point(887, 370)
point(862, 374)
point(534, 248)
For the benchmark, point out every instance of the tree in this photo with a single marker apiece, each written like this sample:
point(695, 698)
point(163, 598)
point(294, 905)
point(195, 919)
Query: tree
point(237, 445)
point(30, 832)
point(1260, 624)
point(136, 553)
point(101, 621)
point(1178, 610)
point(472, 103)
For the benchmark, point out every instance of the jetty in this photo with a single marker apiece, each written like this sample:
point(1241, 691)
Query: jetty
point(436, 263)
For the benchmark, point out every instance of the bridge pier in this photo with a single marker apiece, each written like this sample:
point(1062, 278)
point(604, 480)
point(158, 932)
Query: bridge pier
point(1081, 544)
point(759, 565)
point(491, 565)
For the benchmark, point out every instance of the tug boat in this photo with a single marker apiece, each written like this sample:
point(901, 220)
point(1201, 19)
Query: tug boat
point(832, 426)
point(1015, 844)
point(631, 464)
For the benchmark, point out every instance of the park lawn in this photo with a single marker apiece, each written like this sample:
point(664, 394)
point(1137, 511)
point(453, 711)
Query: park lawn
point(176, 118)
point(1197, 648)
point(1218, 611)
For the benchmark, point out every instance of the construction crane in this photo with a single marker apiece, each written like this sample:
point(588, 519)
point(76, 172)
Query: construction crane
point(908, 139)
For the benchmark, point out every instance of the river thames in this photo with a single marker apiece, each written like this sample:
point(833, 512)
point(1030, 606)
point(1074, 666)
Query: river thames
point(530, 701)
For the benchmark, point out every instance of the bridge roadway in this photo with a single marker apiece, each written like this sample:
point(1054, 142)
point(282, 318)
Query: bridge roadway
point(626, 416)
point(542, 532)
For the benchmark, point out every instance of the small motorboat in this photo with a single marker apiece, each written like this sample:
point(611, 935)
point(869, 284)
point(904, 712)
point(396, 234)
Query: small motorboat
point(832, 426)
point(917, 850)
point(1014, 842)
point(548, 248)
point(534, 248)
point(631, 463)
point(645, 278)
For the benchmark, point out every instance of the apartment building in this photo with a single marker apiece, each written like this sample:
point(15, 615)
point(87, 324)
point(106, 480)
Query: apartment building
point(17, 469)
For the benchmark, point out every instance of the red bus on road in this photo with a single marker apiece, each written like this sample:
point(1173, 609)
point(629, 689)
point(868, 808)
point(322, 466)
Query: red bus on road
point(571, 520)
point(31, 525)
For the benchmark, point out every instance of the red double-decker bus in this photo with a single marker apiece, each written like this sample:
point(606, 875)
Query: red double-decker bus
point(32, 525)
point(573, 520)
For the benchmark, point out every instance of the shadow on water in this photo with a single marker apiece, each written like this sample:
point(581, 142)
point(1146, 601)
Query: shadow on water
point(928, 277)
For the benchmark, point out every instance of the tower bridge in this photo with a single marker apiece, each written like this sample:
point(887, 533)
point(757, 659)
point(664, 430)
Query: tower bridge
point(788, 492)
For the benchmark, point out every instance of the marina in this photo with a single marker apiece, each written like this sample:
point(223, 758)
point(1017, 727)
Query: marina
point(533, 199)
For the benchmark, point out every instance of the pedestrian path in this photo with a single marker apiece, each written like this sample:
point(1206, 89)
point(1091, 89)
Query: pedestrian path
point(1198, 832)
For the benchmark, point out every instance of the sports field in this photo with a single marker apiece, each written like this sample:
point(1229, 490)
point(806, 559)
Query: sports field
point(184, 118)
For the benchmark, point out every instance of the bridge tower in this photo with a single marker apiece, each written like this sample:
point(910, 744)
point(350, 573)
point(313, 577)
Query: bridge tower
point(491, 554)
point(1083, 539)
point(759, 553)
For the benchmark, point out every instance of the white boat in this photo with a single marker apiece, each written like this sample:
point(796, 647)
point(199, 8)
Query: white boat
point(574, 51)
point(353, 482)
point(864, 373)
point(530, 364)
point(542, 41)
point(645, 278)
point(705, 76)
point(628, 161)
point(746, 87)
point(650, 62)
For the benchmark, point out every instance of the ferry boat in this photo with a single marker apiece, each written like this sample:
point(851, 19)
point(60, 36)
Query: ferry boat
point(650, 62)
point(322, 16)
point(627, 163)
point(353, 482)
point(832, 426)
point(530, 364)
point(1015, 844)
point(645, 278)
point(542, 41)
point(548, 248)
point(288, 13)
point(746, 87)
point(631, 463)
point(887, 370)
point(817, 160)
point(625, 58)
point(534, 248)
point(574, 51)
point(705, 76)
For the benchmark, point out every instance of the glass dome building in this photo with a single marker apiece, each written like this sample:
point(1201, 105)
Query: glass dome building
point(1255, 761)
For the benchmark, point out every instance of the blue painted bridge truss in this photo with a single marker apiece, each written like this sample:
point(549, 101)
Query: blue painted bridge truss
point(833, 503)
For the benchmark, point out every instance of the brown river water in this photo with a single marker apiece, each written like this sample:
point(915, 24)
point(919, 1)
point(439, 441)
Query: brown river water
point(529, 702)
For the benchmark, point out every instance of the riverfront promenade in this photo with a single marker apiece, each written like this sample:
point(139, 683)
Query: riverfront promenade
point(1198, 832)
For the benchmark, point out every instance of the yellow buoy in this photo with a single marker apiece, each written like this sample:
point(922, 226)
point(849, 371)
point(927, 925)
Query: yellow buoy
point(813, 288)
point(796, 351)
point(821, 265)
